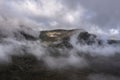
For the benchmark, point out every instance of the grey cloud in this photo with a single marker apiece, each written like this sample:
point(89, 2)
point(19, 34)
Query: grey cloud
point(102, 77)
point(106, 12)
point(103, 13)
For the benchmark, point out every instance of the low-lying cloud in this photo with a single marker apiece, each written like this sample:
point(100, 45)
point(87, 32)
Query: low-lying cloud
point(32, 16)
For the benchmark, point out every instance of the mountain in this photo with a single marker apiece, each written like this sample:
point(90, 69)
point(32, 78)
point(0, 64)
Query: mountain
point(61, 38)
point(28, 62)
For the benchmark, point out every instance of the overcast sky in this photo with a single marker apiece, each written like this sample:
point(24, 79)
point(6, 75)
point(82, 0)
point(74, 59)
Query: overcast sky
point(67, 14)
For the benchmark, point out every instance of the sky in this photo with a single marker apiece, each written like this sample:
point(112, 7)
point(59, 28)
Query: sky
point(96, 16)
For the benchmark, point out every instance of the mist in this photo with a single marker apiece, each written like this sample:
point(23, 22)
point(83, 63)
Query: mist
point(100, 17)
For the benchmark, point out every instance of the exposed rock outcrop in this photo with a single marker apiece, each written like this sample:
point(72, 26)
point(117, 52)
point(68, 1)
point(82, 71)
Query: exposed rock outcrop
point(57, 38)
point(61, 38)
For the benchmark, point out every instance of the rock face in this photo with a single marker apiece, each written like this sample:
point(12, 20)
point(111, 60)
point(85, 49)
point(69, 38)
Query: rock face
point(61, 38)
point(87, 38)
point(113, 41)
point(57, 38)
point(56, 35)
point(28, 67)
